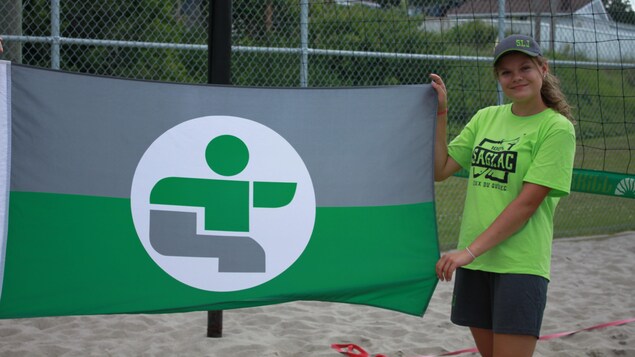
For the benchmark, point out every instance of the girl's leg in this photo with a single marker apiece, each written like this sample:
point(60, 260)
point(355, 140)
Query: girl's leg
point(484, 339)
point(506, 345)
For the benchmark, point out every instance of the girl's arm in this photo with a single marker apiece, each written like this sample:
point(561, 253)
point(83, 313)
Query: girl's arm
point(444, 165)
point(513, 217)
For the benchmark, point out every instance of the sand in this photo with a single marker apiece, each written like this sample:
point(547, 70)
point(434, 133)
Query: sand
point(592, 283)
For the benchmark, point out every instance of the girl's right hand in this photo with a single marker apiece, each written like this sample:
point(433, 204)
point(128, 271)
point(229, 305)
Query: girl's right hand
point(447, 265)
point(442, 93)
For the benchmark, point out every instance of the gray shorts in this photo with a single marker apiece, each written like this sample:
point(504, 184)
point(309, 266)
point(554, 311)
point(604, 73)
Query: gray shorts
point(504, 303)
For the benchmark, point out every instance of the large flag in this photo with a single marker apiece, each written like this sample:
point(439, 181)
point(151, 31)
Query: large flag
point(123, 196)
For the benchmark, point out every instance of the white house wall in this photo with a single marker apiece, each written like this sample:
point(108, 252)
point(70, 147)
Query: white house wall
point(579, 36)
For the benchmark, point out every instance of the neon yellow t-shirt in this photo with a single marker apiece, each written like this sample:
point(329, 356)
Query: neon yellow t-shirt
point(501, 151)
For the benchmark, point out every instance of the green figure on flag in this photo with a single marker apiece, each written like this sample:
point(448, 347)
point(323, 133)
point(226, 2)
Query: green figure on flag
point(226, 209)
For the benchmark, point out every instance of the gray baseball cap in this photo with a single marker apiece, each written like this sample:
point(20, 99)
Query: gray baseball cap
point(520, 43)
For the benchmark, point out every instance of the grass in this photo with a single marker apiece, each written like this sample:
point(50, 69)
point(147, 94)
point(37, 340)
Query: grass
point(579, 214)
point(450, 195)
point(613, 154)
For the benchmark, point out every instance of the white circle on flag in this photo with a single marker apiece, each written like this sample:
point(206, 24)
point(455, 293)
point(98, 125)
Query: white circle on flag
point(198, 256)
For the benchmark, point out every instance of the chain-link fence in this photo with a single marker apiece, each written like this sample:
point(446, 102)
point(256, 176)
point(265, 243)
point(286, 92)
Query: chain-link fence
point(324, 43)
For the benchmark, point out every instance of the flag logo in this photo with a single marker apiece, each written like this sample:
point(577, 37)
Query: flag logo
point(222, 203)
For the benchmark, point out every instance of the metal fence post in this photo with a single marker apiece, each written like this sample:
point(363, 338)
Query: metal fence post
point(304, 43)
point(501, 35)
point(55, 34)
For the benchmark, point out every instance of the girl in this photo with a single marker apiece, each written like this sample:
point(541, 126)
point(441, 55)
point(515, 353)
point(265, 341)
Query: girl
point(520, 160)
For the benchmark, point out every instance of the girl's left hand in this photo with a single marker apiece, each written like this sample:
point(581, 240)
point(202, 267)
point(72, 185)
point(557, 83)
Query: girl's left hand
point(450, 262)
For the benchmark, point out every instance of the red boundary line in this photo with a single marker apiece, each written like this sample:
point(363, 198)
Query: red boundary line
point(353, 350)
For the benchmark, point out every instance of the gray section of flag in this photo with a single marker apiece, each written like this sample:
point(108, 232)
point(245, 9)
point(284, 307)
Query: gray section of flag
point(174, 234)
point(81, 134)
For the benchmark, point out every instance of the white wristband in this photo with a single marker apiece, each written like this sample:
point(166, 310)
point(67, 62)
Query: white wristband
point(470, 252)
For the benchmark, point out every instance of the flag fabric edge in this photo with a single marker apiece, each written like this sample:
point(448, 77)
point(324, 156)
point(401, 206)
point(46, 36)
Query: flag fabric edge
point(5, 159)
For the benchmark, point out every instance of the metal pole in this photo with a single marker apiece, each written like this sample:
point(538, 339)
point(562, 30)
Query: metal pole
point(215, 323)
point(304, 43)
point(554, 5)
point(501, 36)
point(219, 44)
point(218, 72)
point(55, 34)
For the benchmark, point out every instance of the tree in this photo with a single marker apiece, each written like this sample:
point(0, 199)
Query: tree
point(13, 26)
point(620, 11)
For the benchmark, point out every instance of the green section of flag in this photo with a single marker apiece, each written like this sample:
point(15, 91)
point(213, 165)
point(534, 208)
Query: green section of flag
point(231, 215)
point(73, 255)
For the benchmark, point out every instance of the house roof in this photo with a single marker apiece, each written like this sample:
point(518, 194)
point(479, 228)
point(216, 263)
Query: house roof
point(516, 7)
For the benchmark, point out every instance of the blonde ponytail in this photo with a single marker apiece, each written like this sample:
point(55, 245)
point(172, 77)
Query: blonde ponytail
point(550, 92)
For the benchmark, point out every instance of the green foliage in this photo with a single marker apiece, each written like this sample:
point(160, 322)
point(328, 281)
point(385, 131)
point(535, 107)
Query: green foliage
point(359, 46)
point(620, 11)
point(369, 30)
point(36, 23)
point(476, 33)
point(141, 21)
point(266, 22)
